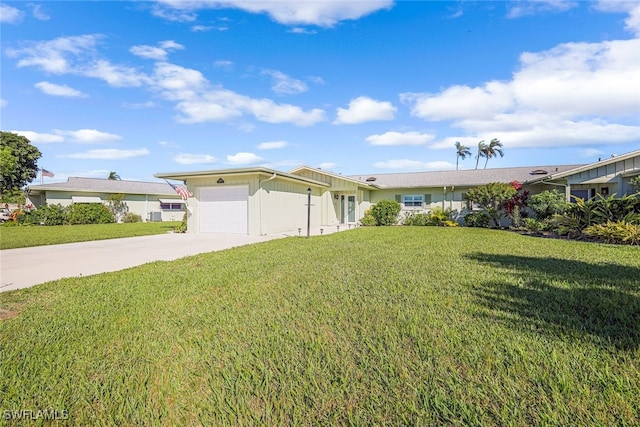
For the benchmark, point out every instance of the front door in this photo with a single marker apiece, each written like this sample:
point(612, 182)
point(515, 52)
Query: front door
point(351, 208)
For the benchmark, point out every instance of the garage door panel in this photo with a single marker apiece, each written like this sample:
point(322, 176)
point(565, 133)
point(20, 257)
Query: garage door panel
point(224, 209)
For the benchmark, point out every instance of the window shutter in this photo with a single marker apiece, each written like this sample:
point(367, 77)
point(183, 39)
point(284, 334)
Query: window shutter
point(427, 199)
point(399, 198)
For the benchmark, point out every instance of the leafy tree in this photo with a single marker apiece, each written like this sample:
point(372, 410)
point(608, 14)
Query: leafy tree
point(482, 148)
point(492, 150)
point(18, 162)
point(635, 183)
point(386, 212)
point(548, 203)
point(117, 206)
point(113, 176)
point(493, 198)
point(462, 151)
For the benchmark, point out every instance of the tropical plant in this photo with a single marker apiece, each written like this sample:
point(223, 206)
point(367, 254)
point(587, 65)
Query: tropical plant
point(113, 176)
point(439, 216)
point(492, 198)
point(415, 219)
point(386, 212)
point(515, 207)
point(462, 152)
point(482, 148)
point(635, 183)
point(548, 203)
point(615, 232)
point(493, 149)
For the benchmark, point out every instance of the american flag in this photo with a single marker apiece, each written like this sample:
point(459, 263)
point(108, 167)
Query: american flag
point(183, 192)
point(45, 172)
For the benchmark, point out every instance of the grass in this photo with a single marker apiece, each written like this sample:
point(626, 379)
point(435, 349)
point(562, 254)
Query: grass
point(27, 236)
point(400, 326)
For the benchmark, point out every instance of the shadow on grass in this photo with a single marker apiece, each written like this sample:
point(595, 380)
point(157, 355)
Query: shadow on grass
point(567, 297)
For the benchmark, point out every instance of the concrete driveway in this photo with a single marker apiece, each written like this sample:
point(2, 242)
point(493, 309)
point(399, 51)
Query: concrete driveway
point(25, 267)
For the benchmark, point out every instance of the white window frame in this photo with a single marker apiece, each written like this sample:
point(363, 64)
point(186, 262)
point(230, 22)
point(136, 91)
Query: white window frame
point(413, 201)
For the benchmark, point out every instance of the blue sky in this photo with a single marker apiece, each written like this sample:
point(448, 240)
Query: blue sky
point(350, 86)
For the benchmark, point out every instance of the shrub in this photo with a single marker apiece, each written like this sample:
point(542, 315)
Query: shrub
point(386, 212)
point(50, 214)
point(548, 203)
point(439, 216)
point(368, 220)
point(131, 217)
point(615, 232)
point(182, 227)
point(450, 223)
point(534, 225)
point(493, 197)
point(415, 219)
point(88, 213)
point(477, 219)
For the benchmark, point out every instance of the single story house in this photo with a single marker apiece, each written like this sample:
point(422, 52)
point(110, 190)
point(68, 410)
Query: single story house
point(604, 177)
point(260, 200)
point(153, 201)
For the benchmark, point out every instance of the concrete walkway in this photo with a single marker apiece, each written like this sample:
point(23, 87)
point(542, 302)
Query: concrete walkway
point(25, 267)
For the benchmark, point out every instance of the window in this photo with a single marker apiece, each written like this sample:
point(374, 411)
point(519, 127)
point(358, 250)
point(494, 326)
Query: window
point(468, 204)
point(413, 200)
point(427, 199)
point(604, 191)
point(171, 206)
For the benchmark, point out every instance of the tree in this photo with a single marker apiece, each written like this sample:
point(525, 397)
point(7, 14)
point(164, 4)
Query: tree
point(482, 148)
point(548, 203)
point(117, 206)
point(492, 197)
point(18, 162)
point(386, 212)
point(462, 151)
point(492, 150)
point(113, 176)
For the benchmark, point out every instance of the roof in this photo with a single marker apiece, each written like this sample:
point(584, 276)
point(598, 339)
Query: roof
point(238, 171)
point(582, 168)
point(331, 174)
point(98, 185)
point(459, 178)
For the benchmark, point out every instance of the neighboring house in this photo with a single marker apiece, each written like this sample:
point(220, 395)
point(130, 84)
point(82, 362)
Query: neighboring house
point(153, 201)
point(605, 177)
point(260, 200)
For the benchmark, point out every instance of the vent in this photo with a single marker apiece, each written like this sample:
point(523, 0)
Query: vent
point(539, 172)
point(371, 179)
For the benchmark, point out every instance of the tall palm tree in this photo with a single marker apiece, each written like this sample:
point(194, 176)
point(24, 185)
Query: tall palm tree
point(462, 151)
point(482, 151)
point(113, 176)
point(492, 150)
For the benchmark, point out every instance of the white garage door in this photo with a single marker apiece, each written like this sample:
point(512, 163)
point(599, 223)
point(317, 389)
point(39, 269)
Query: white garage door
point(223, 209)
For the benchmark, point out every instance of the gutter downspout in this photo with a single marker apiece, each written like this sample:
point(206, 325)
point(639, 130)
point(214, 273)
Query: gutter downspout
point(260, 199)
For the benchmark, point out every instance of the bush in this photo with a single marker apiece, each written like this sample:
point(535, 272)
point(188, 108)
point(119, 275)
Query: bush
point(131, 217)
point(535, 225)
point(182, 227)
point(548, 203)
point(439, 217)
point(386, 212)
point(415, 219)
point(493, 198)
point(88, 213)
point(615, 232)
point(477, 219)
point(368, 219)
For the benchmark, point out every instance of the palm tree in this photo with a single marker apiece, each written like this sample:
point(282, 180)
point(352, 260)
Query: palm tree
point(113, 176)
point(462, 151)
point(482, 151)
point(492, 150)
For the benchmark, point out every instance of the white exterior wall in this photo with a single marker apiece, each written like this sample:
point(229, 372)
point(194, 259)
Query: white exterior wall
point(138, 203)
point(607, 176)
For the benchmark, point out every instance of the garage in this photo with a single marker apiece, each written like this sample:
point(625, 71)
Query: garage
point(223, 209)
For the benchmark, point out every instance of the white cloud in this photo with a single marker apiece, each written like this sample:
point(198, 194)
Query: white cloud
point(158, 53)
point(589, 153)
point(285, 85)
point(400, 138)
point(38, 13)
point(3, 102)
point(551, 100)
point(138, 105)
point(272, 145)
point(40, 138)
point(520, 8)
point(288, 12)
point(223, 64)
point(243, 159)
point(327, 165)
point(10, 15)
point(109, 154)
point(88, 136)
point(302, 30)
point(54, 56)
point(59, 90)
point(364, 109)
point(406, 164)
point(168, 144)
point(192, 159)
point(114, 75)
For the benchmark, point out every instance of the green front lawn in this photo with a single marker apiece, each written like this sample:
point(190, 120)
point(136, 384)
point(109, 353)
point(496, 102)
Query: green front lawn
point(398, 326)
point(26, 236)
